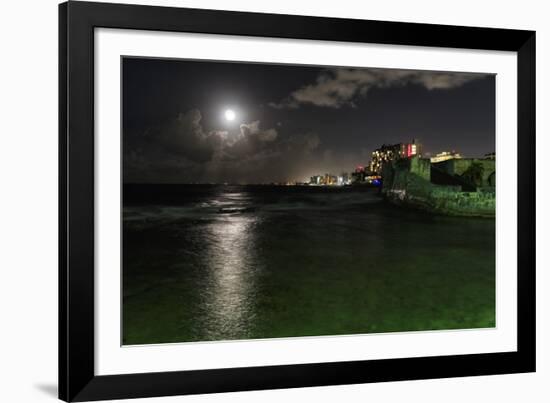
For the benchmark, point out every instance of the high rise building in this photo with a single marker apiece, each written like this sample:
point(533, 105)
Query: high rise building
point(390, 152)
point(387, 152)
point(411, 149)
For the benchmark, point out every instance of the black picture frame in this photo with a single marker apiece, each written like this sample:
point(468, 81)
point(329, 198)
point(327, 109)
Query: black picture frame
point(77, 379)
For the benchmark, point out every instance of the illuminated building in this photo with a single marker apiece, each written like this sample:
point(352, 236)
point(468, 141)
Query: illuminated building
point(346, 178)
point(325, 180)
point(315, 180)
point(444, 156)
point(384, 154)
point(358, 176)
point(410, 149)
point(330, 179)
point(392, 152)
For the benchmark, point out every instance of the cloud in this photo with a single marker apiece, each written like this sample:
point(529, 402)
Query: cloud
point(177, 146)
point(182, 151)
point(185, 136)
point(253, 129)
point(339, 87)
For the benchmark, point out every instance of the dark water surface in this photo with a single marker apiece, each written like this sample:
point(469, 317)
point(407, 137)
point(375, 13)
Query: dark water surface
point(238, 262)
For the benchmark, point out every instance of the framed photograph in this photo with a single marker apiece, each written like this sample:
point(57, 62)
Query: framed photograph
point(256, 201)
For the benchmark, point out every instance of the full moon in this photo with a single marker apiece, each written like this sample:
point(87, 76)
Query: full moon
point(229, 115)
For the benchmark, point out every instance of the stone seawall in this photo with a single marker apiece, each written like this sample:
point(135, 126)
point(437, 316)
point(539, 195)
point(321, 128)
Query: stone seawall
point(404, 187)
point(480, 203)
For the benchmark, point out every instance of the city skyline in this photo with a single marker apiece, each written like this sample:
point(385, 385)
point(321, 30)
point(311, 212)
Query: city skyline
point(215, 122)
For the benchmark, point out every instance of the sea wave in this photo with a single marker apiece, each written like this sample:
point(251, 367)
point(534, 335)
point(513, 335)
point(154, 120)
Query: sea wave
point(246, 202)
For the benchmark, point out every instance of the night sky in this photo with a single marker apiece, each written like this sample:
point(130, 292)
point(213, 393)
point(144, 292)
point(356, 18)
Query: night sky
point(291, 122)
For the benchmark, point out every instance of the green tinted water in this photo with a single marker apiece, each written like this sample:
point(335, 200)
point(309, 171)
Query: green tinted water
point(238, 263)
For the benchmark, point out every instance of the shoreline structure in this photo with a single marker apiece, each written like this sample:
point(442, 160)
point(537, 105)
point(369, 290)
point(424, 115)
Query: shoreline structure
point(459, 187)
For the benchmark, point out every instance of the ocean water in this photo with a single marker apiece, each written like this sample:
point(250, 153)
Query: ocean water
point(213, 262)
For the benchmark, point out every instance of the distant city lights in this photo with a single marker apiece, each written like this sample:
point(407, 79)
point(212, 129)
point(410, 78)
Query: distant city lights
point(371, 174)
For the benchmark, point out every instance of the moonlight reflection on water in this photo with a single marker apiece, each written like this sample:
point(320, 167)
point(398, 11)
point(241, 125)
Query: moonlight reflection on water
point(229, 286)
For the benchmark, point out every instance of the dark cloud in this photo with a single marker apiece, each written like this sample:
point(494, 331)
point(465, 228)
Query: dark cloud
point(338, 87)
point(183, 151)
point(184, 136)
